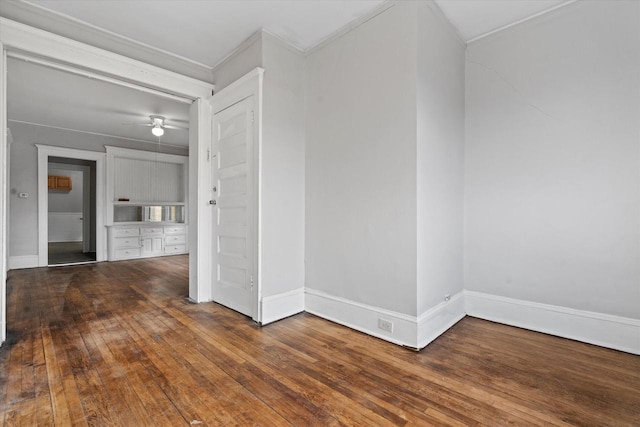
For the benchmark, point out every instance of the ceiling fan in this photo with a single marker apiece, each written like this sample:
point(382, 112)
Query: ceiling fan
point(157, 124)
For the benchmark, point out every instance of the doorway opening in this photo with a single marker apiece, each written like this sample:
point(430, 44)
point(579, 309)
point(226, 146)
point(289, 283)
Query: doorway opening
point(71, 210)
point(18, 40)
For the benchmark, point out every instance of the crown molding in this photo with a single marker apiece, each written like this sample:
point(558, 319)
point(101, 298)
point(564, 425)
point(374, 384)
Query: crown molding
point(287, 44)
point(350, 26)
point(266, 34)
point(254, 38)
point(521, 21)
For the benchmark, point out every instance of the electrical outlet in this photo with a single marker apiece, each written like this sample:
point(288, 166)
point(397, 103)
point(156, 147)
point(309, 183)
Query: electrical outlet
point(385, 325)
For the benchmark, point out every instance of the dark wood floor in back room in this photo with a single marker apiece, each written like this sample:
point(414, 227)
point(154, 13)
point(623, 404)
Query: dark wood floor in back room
point(118, 344)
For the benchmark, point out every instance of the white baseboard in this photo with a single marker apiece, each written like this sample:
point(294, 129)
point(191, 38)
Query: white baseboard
point(23, 261)
point(362, 317)
point(277, 307)
point(619, 333)
point(435, 321)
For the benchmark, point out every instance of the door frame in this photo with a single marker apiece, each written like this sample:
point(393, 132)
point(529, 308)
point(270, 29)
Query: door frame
point(46, 151)
point(248, 86)
point(17, 37)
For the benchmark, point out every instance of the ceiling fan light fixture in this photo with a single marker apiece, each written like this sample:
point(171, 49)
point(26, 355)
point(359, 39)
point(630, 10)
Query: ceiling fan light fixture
point(157, 130)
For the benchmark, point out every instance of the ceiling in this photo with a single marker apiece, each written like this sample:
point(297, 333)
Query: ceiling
point(88, 105)
point(203, 32)
point(207, 31)
point(476, 18)
point(179, 27)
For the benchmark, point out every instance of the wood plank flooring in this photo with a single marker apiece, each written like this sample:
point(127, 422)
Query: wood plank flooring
point(118, 344)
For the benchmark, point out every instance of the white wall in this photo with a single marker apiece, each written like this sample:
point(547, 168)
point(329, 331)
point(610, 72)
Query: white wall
point(23, 225)
point(67, 201)
point(282, 179)
point(23, 212)
point(440, 158)
point(360, 164)
point(360, 174)
point(65, 208)
point(64, 227)
point(553, 161)
point(384, 173)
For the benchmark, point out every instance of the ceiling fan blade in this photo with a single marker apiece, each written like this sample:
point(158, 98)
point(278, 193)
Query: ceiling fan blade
point(174, 127)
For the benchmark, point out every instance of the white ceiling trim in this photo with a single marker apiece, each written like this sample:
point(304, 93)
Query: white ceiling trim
point(156, 143)
point(520, 21)
point(244, 45)
point(97, 76)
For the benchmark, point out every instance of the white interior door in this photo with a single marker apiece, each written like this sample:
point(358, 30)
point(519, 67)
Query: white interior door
point(234, 231)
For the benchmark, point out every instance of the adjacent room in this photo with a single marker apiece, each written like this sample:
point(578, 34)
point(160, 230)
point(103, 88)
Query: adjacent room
point(421, 212)
point(71, 207)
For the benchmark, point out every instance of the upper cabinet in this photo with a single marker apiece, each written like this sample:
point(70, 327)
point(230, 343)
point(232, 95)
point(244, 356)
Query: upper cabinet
point(136, 177)
point(59, 182)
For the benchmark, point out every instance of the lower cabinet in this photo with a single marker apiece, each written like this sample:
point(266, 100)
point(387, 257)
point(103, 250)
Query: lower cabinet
point(151, 246)
point(141, 241)
point(151, 241)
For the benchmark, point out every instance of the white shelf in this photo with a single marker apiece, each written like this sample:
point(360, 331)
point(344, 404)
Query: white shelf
point(146, 223)
point(146, 203)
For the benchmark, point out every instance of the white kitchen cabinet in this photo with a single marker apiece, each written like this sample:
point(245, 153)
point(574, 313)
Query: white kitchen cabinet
point(132, 241)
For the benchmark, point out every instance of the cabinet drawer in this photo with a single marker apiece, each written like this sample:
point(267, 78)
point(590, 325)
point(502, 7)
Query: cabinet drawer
point(126, 242)
point(174, 230)
point(151, 231)
point(175, 249)
point(127, 253)
point(175, 240)
point(131, 231)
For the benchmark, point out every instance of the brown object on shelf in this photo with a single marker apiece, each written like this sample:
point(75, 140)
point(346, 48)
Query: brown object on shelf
point(123, 199)
point(55, 182)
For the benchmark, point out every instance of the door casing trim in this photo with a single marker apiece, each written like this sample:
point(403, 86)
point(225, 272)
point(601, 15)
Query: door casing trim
point(46, 151)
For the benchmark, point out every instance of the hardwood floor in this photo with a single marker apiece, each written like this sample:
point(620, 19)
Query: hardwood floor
point(118, 344)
